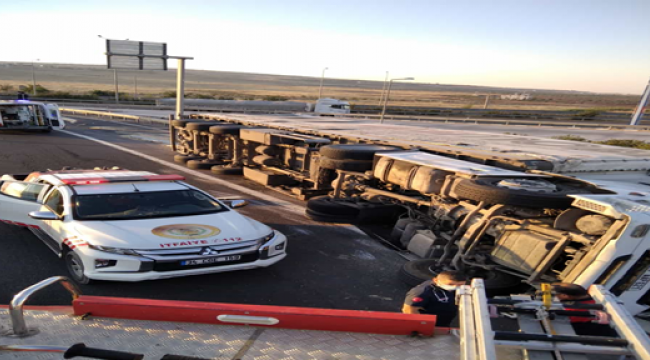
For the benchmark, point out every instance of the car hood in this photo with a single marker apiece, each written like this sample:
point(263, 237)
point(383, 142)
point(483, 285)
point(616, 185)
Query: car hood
point(176, 232)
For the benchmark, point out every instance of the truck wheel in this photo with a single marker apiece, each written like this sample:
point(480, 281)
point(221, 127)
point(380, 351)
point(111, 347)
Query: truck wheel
point(415, 272)
point(200, 126)
point(221, 170)
point(326, 205)
point(182, 159)
point(180, 123)
point(487, 190)
point(346, 165)
point(498, 283)
point(316, 216)
point(76, 267)
point(202, 164)
point(354, 151)
point(225, 129)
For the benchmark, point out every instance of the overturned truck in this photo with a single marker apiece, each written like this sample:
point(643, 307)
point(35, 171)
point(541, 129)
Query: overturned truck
point(511, 222)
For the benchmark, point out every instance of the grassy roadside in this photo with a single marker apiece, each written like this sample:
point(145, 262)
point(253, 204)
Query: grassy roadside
point(634, 144)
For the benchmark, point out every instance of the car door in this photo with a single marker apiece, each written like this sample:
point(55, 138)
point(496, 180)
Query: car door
point(53, 232)
point(18, 199)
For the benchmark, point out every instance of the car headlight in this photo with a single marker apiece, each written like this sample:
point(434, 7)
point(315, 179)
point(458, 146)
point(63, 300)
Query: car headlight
point(113, 250)
point(268, 237)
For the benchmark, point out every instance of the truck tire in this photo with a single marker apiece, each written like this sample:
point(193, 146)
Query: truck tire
point(202, 164)
point(182, 159)
point(370, 213)
point(221, 170)
point(487, 190)
point(415, 272)
point(180, 123)
point(266, 160)
point(328, 206)
point(316, 216)
point(225, 129)
point(200, 126)
point(354, 151)
point(346, 165)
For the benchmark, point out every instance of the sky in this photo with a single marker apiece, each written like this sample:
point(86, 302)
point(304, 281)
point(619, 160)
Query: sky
point(587, 45)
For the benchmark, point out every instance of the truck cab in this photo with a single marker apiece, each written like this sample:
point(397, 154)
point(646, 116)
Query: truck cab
point(30, 115)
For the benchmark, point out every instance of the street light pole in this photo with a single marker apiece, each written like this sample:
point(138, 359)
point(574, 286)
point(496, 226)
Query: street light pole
point(390, 83)
point(117, 94)
point(135, 84)
point(320, 89)
point(383, 89)
point(34, 78)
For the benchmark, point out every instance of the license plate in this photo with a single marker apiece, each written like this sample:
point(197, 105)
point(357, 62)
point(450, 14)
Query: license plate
point(211, 260)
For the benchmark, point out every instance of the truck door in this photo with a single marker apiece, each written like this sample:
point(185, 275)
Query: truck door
point(18, 199)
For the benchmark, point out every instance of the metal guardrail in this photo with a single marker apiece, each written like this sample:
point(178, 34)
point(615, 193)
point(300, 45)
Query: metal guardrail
point(110, 115)
point(446, 120)
point(19, 327)
point(538, 123)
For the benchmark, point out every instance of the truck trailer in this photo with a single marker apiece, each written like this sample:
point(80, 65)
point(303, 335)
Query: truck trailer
point(515, 219)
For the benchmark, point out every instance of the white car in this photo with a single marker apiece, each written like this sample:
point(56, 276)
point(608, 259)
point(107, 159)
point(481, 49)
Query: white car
point(125, 225)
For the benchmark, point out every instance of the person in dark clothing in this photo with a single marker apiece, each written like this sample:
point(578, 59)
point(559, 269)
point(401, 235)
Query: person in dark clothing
point(436, 297)
point(570, 294)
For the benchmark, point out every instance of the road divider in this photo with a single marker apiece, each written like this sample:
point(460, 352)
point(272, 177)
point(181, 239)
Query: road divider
point(445, 120)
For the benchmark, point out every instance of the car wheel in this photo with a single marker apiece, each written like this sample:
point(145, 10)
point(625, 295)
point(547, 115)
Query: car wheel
point(345, 165)
point(354, 151)
point(221, 170)
point(487, 190)
point(76, 268)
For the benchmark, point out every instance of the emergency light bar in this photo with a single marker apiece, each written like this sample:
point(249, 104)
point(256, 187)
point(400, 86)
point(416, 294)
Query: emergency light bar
point(94, 178)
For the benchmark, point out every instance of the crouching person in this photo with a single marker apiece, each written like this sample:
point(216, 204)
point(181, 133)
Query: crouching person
point(436, 297)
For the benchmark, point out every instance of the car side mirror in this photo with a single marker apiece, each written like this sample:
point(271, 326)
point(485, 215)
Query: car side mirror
point(238, 203)
point(44, 215)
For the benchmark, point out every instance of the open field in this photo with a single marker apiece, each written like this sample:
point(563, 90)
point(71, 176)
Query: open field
point(83, 79)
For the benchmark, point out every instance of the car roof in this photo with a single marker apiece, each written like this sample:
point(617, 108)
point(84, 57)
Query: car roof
point(97, 177)
point(128, 187)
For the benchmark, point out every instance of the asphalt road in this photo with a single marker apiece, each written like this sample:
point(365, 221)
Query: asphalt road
point(328, 266)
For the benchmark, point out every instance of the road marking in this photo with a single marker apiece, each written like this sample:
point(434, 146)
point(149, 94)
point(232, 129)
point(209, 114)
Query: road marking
point(285, 204)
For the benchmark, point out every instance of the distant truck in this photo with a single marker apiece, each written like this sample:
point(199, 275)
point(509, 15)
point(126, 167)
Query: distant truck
point(29, 115)
point(327, 106)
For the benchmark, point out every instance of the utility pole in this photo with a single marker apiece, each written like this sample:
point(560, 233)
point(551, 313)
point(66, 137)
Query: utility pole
point(320, 89)
point(390, 83)
point(34, 78)
point(135, 86)
point(638, 113)
point(383, 89)
point(117, 94)
point(487, 102)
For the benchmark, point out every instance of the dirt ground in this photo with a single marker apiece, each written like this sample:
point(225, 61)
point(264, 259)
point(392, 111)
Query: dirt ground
point(82, 79)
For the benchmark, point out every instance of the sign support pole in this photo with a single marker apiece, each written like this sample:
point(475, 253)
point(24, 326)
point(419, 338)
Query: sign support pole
point(180, 88)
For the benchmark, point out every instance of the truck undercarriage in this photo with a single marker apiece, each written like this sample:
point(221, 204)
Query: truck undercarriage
point(502, 217)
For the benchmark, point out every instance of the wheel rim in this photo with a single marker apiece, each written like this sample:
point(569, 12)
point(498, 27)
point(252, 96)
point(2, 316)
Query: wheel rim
point(76, 267)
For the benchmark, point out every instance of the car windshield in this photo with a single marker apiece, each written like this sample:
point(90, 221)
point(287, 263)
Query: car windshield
point(144, 205)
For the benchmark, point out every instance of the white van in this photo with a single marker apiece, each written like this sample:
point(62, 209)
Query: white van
point(332, 106)
point(29, 115)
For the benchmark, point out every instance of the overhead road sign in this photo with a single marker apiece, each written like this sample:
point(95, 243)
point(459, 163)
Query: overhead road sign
point(136, 55)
